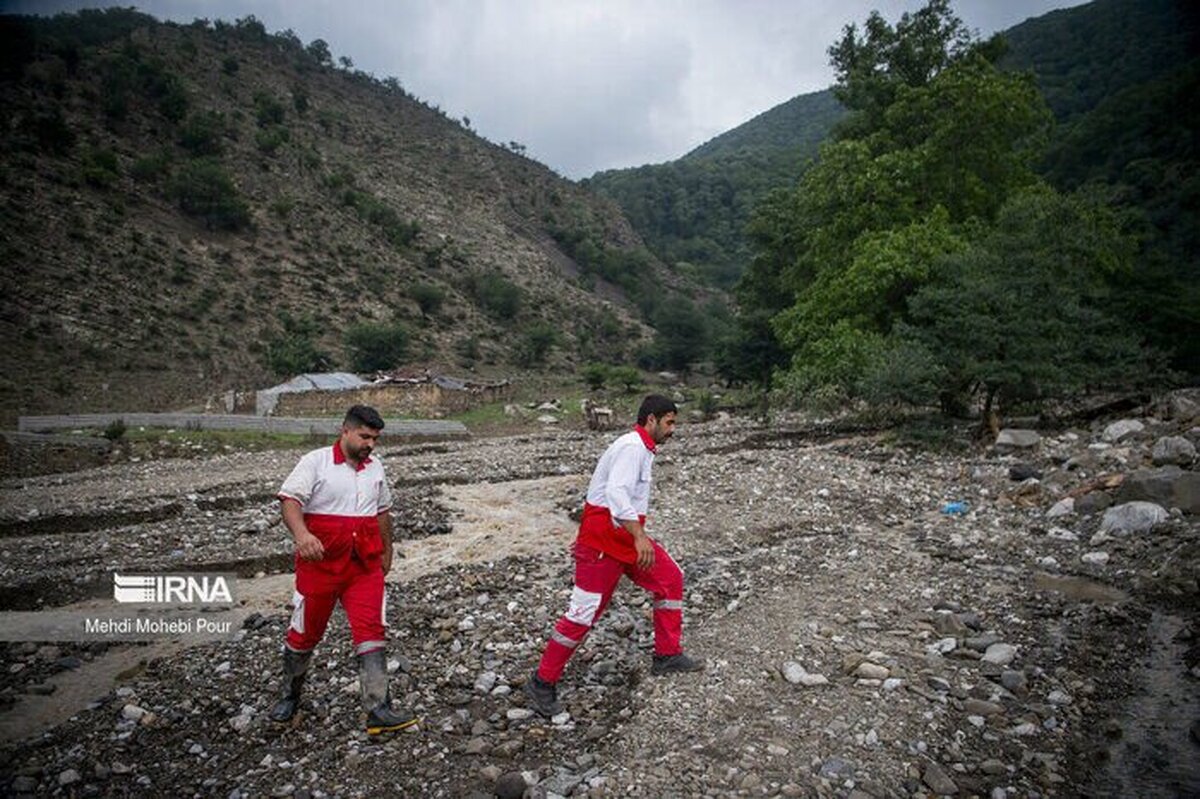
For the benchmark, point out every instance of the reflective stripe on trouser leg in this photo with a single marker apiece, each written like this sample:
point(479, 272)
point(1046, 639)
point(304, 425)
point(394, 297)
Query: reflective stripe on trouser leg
point(595, 580)
point(665, 580)
point(309, 620)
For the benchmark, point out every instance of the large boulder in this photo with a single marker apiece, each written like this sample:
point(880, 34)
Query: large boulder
point(1181, 405)
point(1132, 517)
point(1123, 429)
point(1173, 450)
point(1169, 486)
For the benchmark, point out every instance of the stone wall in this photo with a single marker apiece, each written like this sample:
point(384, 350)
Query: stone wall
point(392, 399)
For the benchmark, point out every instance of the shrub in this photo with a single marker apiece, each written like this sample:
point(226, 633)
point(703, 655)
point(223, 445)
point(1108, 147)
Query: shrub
point(115, 430)
point(203, 189)
point(628, 376)
point(294, 350)
point(52, 132)
point(151, 167)
point(230, 65)
point(100, 168)
point(595, 375)
point(271, 139)
point(268, 110)
point(376, 346)
point(536, 344)
point(202, 133)
point(496, 295)
point(428, 296)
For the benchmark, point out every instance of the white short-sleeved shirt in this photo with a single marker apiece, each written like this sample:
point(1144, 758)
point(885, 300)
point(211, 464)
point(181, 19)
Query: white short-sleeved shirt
point(621, 481)
point(324, 482)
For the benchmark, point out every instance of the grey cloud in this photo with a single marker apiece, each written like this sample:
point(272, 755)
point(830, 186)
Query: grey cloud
point(584, 85)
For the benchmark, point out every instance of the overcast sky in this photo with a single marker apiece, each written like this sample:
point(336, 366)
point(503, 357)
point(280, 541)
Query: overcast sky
point(584, 85)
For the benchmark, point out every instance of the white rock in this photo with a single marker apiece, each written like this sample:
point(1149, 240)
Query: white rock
point(871, 671)
point(1132, 517)
point(1097, 558)
point(942, 646)
point(1001, 654)
point(892, 683)
point(1122, 429)
point(518, 713)
point(1057, 697)
point(1064, 507)
point(560, 719)
point(133, 712)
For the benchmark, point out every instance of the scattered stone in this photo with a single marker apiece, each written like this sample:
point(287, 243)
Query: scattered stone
point(1097, 558)
point(1012, 438)
point(1000, 654)
point(518, 713)
point(1131, 518)
point(871, 671)
point(1092, 502)
point(1117, 431)
point(68, 777)
point(981, 707)
point(938, 780)
point(1024, 471)
point(511, 785)
point(1168, 486)
point(836, 768)
point(1173, 450)
point(1064, 507)
point(796, 674)
point(132, 712)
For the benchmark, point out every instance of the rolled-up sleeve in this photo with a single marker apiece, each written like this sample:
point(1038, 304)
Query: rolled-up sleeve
point(299, 484)
point(622, 479)
point(385, 495)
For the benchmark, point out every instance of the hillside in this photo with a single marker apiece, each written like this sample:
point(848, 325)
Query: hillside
point(193, 208)
point(693, 210)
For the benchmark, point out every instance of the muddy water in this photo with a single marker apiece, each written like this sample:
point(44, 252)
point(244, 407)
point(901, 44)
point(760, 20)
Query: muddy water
point(1155, 756)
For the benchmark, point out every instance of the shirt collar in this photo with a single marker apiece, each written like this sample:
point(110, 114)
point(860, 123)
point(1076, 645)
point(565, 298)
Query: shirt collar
point(339, 457)
point(646, 439)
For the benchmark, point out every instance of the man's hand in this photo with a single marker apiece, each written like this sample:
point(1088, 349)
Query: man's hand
point(385, 560)
point(645, 551)
point(308, 546)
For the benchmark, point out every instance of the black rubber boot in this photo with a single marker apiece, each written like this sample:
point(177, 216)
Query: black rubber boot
point(295, 666)
point(674, 664)
point(542, 696)
point(373, 680)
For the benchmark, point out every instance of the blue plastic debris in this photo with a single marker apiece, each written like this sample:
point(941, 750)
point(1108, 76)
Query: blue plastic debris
point(955, 508)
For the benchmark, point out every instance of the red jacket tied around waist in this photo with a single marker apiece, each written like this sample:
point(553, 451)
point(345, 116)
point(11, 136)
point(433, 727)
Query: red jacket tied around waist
point(598, 530)
point(344, 537)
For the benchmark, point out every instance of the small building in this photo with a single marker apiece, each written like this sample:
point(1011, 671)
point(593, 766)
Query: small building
point(420, 395)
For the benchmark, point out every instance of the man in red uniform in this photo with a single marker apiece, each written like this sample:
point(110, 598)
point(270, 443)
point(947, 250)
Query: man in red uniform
point(612, 541)
point(337, 504)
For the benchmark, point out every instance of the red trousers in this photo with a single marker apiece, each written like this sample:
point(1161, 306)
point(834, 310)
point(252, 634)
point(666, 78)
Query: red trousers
point(596, 577)
point(359, 587)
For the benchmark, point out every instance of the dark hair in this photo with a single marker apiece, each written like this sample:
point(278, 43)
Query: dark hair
point(363, 416)
point(655, 405)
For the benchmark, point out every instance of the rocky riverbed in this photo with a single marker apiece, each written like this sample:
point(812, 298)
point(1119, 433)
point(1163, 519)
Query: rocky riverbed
point(876, 621)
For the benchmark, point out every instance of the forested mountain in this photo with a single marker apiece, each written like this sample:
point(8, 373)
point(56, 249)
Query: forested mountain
point(1119, 76)
point(190, 208)
point(692, 211)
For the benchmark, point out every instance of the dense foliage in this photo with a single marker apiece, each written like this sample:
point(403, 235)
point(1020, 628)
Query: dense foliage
point(921, 257)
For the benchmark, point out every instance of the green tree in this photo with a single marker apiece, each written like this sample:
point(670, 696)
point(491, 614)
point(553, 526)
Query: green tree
point(1026, 313)
point(939, 140)
point(627, 376)
point(376, 346)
